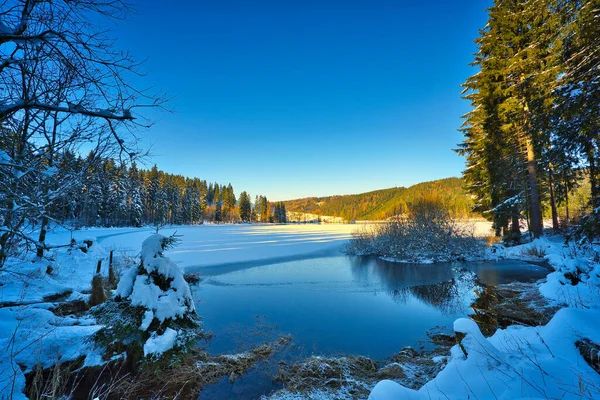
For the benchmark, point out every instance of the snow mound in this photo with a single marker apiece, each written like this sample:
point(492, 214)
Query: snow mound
point(515, 363)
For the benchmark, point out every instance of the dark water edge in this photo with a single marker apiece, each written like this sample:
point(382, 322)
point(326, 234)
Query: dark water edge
point(336, 305)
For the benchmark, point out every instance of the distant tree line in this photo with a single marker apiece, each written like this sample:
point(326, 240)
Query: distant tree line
point(111, 194)
point(265, 211)
point(387, 203)
point(532, 136)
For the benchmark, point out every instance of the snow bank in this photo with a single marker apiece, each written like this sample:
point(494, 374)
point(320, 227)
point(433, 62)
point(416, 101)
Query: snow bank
point(515, 363)
point(32, 335)
point(576, 279)
point(70, 270)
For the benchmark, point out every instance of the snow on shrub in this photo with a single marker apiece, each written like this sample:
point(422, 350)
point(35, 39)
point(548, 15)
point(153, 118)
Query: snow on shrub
point(157, 285)
point(157, 300)
point(428, 235)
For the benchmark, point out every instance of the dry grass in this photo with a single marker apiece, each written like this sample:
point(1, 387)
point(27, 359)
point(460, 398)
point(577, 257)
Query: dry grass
point(353, 377)
point(534, 251)
point(53, 382)
point(511, 304)
point(183, 379)
point(492, 240)
point(193, 371)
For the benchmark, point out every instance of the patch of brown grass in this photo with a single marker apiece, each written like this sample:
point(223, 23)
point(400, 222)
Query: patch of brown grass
point(193, 371)
point(492, 240)
point(511, 304)
point(353, 373)
point(534, 251)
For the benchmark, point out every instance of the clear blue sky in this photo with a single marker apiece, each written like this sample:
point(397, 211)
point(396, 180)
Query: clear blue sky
point(307, 98)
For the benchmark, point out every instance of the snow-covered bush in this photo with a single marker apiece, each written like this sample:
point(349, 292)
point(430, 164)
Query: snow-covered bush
point(430, 234)
point(153, 310)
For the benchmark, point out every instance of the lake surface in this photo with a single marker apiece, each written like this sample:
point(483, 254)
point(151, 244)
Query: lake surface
point(342, 304)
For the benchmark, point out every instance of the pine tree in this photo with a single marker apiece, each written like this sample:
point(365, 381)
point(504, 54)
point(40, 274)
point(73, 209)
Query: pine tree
point(509, 132)
point(245, 207)
point(134, 197)
point(218, 207)
point(154, 196)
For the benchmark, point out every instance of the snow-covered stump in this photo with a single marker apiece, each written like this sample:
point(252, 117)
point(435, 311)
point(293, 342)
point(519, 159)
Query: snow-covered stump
point(156, 306)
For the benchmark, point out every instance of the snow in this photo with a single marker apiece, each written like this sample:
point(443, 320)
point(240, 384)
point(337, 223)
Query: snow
point(30, 282)
point(570, 260)
point(211, 245)
point(158, 344)
point(515, 363)
point(141, 290)
point(525, 362)
point(386, 390)
point(32, 335)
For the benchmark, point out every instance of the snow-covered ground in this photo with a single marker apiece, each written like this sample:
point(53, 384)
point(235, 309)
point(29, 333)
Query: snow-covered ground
point(31, 334)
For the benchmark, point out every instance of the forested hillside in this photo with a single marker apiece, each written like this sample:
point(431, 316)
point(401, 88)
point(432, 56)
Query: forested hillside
point(382, 204)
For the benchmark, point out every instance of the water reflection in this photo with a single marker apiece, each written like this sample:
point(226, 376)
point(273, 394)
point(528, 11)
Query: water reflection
point(347, 304)
point(343, 305)
point(395, 275)
point(446, 287)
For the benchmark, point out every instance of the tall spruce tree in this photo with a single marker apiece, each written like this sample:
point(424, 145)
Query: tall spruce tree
point(245, 207)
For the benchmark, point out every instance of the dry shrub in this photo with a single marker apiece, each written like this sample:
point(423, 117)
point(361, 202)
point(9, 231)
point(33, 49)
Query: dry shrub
point(98, 296)
point(192, 371)
point(356, 374)
point(534, 251)
point(428, 234)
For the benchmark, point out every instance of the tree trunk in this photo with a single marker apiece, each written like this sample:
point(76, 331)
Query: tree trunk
point(502, 230)
point(515, 229)
point(45, 221)
point(42, 237)
point(592, 165)
point(555, 225)
point(534, 197)
point(567, 206)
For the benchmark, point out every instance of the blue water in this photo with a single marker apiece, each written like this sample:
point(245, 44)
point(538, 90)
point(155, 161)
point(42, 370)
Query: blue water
point(346, 304)
point(339, 305)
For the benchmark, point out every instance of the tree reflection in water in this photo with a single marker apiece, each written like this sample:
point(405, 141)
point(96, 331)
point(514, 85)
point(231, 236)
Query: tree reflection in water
point(448, 287)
